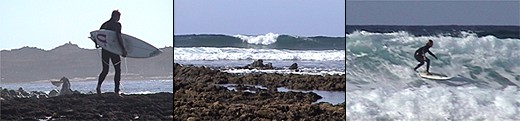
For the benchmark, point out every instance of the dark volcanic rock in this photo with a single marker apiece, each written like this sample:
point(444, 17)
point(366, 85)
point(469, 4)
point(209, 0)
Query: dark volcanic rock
point(198, 97)
point(6, 94)
point(269, 66)
point(293, 66)
point(91, 107)
point(258, 64)
point(222, 104)
point(291, 81)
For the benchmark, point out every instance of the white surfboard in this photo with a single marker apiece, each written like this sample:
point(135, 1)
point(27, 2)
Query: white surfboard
point(433, 76)
point(135, 48)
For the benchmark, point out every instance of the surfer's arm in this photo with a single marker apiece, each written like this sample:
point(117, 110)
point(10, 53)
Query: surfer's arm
point(120, 41)
point(432, 54)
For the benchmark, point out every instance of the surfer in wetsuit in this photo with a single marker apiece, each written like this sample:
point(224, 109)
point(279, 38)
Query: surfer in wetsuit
point(420, 55)
point(114, 25)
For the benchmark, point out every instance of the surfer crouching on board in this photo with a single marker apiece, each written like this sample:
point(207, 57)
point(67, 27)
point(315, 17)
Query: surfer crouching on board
point(420, 55)
point(114, 25)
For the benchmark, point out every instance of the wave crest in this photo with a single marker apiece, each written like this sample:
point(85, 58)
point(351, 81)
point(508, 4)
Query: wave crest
point(266, 39)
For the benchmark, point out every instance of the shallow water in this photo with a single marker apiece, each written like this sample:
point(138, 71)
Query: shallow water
point(127, 87)
point(333, 97)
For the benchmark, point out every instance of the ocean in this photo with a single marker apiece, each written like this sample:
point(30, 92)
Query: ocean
point(126, 86)
point(483, 60)
point(317, 55)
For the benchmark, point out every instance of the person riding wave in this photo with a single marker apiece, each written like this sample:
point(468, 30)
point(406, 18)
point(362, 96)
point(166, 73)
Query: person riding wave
point(420, 55)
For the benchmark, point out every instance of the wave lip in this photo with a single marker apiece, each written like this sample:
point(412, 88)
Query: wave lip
point(266, 39)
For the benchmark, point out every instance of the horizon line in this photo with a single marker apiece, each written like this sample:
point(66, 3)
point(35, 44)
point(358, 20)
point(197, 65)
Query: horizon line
point(426, 25)
point(178, 34)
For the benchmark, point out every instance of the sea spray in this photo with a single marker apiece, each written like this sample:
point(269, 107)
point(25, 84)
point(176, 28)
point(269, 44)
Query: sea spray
point(373, 58)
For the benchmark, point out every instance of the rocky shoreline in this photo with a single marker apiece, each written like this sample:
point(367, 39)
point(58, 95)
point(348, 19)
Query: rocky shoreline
point(291, 81)
point(198, 96)
point(107, 106)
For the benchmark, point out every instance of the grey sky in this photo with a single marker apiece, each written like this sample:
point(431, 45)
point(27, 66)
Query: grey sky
point(230, 17)
point(433, 12)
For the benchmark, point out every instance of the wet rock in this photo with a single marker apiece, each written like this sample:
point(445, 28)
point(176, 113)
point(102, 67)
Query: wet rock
point(54, 93)
point(269, 66)
point(292, 81)
point(90, 107)
point(7, 94)
point(191, 119)
point(22, 93)
point(204, 100)
point(257, 63)
point(65, 87)
point(293, 66)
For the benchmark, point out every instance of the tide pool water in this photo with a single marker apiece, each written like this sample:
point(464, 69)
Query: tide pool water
point(333, 97)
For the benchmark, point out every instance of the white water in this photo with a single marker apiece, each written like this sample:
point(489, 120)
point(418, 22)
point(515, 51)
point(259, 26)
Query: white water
point(434, 103)
point(385, 59)
point(305, 71)
point(266, 39)
point(228, 53)
point(382, 85)
point(127, 87)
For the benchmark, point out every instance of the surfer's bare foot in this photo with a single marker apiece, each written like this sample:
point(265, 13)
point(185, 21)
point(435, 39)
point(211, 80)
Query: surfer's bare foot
point(116, 91)
point(118, 94)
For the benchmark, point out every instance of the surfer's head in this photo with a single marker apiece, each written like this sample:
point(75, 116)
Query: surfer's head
point(430, 43)
point(115, 15)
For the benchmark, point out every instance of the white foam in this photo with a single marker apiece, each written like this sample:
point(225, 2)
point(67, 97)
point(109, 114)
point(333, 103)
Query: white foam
point(302, 72)
point(435, 103)
point(143, 92)
point(212, 53)
point(386, 59)
point(266, 39)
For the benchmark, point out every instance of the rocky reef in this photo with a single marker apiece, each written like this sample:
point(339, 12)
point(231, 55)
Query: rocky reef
point(198, 96)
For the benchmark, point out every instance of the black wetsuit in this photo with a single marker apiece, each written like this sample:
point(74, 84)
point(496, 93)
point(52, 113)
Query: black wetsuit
point(106, 56)
point(420, 55)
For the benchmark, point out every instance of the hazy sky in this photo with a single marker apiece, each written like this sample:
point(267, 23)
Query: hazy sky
point(50, 23)
point(230, 17)
point(466, 12)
